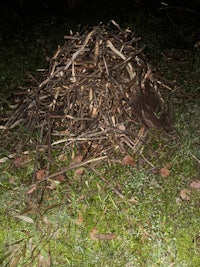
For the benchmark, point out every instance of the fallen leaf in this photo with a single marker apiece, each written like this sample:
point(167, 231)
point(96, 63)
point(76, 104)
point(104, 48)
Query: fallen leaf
point(30, 204)
point(51, 187)
point(79, 172)
point(164, 172)
point(185, 194)
point(60, 178)
point(133, 201)
point(106, 236)
point(41, 174)
point(76, 160)
point(79, 220)
point(25, 218)
point(94, 235)
point(195, 184)
point(128, 161)
point(21, 161)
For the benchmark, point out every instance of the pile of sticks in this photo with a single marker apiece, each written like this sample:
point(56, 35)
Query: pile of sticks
point(99, 94)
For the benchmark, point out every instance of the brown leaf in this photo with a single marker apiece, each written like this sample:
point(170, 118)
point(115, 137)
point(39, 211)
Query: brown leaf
point(185, 194)
point(60, 178)
point(41, 174)
point(24, 218)
point(76, 160)
point(195, 184)
point(128, 161)
point(79, 172)
point(106, 236)
point(133, 201)
point(164, 172)
point(93, 234)
point(21, 161)
point(52, 186)
point(79, 220)
point(96, 236)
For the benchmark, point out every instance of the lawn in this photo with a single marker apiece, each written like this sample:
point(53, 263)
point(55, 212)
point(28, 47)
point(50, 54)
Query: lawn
point(143, 213)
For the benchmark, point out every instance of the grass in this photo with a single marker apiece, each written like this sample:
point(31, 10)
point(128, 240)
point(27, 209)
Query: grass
point(156, 229)
point(81, 221)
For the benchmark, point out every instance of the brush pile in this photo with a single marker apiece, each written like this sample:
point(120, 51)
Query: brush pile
point(99, 95)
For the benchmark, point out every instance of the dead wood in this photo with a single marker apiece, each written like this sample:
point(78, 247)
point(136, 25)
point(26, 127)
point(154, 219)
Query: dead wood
point(99, 95)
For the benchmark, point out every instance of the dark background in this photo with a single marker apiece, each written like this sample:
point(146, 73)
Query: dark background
point(178, 12)
point(181, 12)
point(30, 31)
point(31, 6)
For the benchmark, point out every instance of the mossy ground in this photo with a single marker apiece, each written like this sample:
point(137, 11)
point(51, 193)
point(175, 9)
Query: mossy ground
point(151, 226)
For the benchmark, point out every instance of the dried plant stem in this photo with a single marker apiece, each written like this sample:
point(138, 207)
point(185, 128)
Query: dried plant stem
point(73, 166)
point(107, 182)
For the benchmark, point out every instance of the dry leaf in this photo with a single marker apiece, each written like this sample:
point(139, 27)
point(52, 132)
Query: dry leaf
point(164, 172)
point(195, 184)
point(185, 194)
point(133, 201)
point(79, 221)
point(21, 161)
point(94, 235)
point(106, 236)
point(60, 178)
point(41, 174)
point(79, 172)
point(30, 204)
point(128, 161)
point(76, 160)
point(52, 186)
point(25, 218)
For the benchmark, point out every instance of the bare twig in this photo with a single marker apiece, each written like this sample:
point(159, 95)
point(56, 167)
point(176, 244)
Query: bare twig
point(107, 182)
point(72, 167)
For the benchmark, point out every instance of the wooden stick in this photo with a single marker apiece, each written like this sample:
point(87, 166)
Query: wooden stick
point(74, 166)
point(107, 182)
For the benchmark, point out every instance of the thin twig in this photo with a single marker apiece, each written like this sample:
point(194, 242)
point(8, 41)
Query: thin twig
point(107, 182)
point(194, 157)
point(74, 166)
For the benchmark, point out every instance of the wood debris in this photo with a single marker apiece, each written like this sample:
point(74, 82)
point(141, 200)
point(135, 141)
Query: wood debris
point(99, 94)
